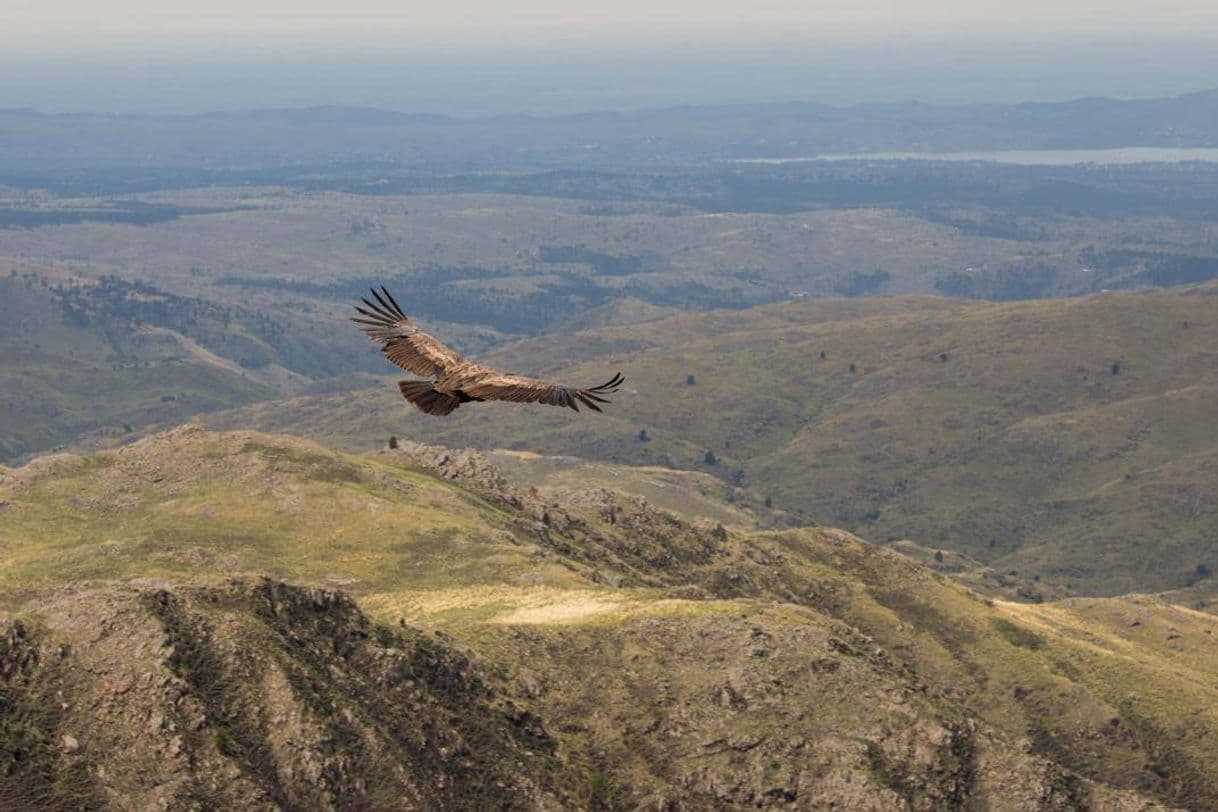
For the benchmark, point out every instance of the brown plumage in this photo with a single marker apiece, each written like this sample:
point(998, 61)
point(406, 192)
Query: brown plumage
point(453, 379)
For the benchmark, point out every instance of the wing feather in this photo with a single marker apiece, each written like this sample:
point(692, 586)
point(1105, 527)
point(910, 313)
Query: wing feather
point(494, 385)
point(403, 343)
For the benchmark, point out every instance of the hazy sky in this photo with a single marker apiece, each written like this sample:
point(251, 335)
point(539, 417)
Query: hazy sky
point(33, 26)
point(477, 57)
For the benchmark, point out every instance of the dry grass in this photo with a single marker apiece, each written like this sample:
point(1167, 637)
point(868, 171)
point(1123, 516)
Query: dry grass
point(189, 504)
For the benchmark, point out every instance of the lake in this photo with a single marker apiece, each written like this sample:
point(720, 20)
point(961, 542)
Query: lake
point(1024, 157)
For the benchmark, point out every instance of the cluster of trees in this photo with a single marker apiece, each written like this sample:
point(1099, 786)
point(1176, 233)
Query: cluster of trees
point(603, 264)
point(132, 212)
point(1156, 268)
point(982, 223)
point(1009, 283)
point(861, 283)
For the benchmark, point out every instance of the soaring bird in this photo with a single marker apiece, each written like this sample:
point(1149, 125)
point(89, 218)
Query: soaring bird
point(452, 379)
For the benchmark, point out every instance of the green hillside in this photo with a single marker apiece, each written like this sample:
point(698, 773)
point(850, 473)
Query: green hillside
point(841, 673)
point(109, 357)
point(1069, 441)
point(106, 356)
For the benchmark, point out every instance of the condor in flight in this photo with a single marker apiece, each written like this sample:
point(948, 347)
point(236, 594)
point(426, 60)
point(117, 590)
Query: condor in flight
point(454, 379)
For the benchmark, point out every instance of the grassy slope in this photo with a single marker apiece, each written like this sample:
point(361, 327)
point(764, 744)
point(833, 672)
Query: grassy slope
point(1131, 705)
point(1022, 448)
point(179, 504)
point(59, 379)
point(691, 494)
point(48, 401)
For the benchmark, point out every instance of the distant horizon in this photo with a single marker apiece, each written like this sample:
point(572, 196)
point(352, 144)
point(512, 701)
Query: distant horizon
point(662, 108)
point(570, 79)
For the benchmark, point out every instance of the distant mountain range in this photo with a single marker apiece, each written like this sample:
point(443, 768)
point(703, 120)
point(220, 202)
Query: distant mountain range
point(31, 141)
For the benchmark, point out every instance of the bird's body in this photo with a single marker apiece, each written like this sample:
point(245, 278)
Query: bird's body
point(451, 378)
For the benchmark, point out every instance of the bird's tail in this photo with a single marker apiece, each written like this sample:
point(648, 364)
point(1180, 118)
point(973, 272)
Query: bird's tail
point(423, 395)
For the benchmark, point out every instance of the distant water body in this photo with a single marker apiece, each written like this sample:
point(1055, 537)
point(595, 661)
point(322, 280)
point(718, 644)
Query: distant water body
point(1024, 157)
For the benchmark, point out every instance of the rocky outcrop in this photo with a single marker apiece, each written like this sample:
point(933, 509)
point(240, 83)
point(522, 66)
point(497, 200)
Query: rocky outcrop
point(620, 538)
point(774, 709)
point(464, 465)
point(266, 696)
point(257, 696)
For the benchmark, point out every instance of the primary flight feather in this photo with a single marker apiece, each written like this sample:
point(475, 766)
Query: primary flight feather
point(453, 379)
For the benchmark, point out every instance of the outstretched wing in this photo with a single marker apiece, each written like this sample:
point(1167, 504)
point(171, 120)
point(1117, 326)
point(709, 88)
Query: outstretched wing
point(402, 342)
point(519, 389)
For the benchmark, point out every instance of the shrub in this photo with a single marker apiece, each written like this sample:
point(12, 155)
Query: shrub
point(1017, 635)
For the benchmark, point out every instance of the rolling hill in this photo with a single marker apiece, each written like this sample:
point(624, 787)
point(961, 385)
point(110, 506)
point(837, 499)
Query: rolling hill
point(62, 375)
point(564, 641)
point(81, 354)
point(1069, 443)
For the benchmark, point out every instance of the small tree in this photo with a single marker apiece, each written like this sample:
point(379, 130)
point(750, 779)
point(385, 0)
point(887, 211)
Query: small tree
point(690, 380)
point(643, 436)
point(852, 368)
point(939, 556)
point(822, 355)
point(709, 458)
point(393, 441)
point(1116, 368)
point(769, 502)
